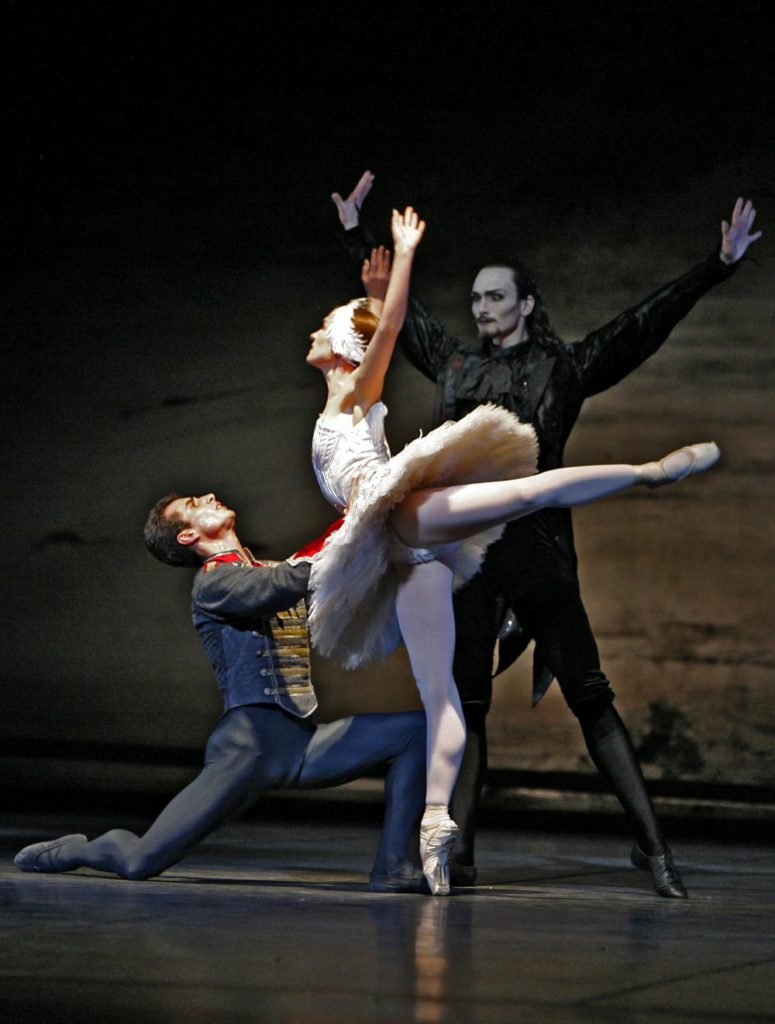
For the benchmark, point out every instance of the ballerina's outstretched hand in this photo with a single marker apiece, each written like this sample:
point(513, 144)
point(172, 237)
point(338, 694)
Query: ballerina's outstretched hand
point(407, 230)
point(368, 380)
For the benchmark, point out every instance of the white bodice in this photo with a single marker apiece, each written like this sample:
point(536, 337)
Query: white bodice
point(342, 452)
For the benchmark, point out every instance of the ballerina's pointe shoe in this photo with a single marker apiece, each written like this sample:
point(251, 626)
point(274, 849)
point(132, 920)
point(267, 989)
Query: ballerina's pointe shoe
point(693, 458)
point(436, 842)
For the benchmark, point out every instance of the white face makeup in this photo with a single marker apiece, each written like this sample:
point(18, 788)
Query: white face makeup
point(499, 312)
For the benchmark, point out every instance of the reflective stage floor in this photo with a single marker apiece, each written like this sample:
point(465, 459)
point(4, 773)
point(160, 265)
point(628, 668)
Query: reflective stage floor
point(273, 922)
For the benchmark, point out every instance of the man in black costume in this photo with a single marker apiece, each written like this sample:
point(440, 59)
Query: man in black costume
point(251, 618)
point(528, 587)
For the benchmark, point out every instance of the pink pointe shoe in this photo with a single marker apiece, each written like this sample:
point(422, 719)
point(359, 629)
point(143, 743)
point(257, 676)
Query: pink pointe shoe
point(436, 842)
point(692, 458)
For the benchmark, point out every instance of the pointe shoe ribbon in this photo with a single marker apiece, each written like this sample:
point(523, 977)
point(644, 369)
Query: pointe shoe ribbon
point(436, 842)
point(699, 457)
point(27, 859)
point(664, 873)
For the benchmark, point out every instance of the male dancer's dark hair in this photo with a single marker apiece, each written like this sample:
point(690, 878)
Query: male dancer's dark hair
point(161, 536)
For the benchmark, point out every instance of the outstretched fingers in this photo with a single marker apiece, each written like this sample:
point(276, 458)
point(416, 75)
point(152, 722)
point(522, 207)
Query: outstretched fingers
point(380, 261)
point(407, 229)
point(362, 189)
point(736, 234)
point(375, 272)
point(349, 209)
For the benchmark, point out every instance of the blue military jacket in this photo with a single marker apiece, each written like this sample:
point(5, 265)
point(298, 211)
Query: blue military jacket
point(253, 623)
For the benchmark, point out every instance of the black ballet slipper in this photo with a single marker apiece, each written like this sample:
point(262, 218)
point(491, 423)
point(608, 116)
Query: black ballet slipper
point(403, 881)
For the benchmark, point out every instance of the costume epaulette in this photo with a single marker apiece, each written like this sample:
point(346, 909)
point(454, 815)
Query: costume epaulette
point(225, 558)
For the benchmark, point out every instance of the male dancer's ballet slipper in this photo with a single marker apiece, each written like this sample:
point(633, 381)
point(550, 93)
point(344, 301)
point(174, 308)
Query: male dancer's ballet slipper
point(696, 459)
point(436, 841)
point(404, 878)
point(27, 859)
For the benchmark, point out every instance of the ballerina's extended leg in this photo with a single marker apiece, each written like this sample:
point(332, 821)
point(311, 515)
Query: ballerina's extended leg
point(443, 514)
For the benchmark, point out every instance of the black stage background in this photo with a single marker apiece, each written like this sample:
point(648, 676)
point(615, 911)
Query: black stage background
point(170, 243)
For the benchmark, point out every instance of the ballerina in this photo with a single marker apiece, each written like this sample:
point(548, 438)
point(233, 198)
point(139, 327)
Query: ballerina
point(417, 524)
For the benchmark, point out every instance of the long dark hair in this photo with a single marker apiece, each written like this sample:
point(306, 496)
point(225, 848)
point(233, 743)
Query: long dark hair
point(538, 327)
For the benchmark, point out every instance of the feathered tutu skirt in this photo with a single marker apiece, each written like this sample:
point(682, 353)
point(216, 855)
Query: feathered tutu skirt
point(353, 583)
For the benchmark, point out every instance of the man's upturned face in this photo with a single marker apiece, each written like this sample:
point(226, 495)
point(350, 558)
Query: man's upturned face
point(495, 303)
point(206, 515)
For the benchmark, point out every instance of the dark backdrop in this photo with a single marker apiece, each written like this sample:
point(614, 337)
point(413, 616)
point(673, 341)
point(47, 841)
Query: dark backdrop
point(170, 243)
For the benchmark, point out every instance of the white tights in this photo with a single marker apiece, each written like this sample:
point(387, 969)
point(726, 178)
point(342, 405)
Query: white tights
point(427, 621)
point(440, 515)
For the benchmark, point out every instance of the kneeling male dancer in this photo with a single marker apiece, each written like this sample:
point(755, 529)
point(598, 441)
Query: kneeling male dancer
point(252, 621)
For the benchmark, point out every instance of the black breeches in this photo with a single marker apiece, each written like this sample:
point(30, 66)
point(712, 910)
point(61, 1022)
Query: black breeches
point(529, 569)
point(536, 578)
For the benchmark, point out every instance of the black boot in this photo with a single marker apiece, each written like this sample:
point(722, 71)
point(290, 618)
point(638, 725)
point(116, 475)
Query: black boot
point(612, 751)
point(468, 790)
point(664, 873)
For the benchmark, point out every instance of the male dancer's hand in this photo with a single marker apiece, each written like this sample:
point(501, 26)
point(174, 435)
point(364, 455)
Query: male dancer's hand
point(350, 208)
point(375, 275)
point(736, 237)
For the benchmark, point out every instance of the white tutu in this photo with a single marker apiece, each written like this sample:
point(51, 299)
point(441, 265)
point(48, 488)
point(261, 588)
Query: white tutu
point(353, 583)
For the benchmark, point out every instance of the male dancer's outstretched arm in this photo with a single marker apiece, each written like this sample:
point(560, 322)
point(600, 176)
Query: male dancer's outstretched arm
point(608, 353)
point(611, 352)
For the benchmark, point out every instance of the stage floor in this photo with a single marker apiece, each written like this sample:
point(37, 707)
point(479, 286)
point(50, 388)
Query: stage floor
point(273, 922)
